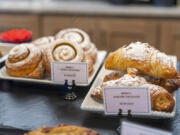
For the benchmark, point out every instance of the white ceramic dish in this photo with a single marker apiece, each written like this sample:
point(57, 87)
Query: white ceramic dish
point(47, 80)
point(89, 104)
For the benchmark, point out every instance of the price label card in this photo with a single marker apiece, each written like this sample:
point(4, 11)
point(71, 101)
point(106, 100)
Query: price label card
point(136, 99)
point(61, 71)
point(128, 128)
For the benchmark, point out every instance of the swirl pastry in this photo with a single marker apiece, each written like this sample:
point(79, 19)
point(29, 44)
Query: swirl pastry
point(43, 41)
point(88, 59)
point(81, 38)
point(63, 130)
point(143, 57)
point(62, 51)
point(161, 100)
point(25, 60)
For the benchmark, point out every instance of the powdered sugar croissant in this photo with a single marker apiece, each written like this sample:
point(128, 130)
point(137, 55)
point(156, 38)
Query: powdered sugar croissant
point(161, 100)
point(146, 59)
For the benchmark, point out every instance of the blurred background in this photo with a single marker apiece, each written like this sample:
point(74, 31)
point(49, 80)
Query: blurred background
point(110, 23)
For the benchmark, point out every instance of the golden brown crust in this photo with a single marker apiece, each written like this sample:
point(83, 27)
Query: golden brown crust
point(146, 59)
point(170, 85)
point(113, 76)
point(63, 130)
point(25, 61)
point(89, 60)
point(161, 99)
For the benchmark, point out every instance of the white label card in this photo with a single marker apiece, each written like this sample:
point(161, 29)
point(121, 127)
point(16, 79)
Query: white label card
point(128, 128)
point(61, 71)
point(136, 99)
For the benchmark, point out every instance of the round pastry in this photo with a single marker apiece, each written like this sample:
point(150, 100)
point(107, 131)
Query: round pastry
point(25, 60)
point(63, 130)
point(43, 41)
point(81, 37)
point(62, 51)
point(89, 60)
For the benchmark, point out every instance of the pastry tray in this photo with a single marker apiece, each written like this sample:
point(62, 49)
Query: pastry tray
point(89, 104)
point(47, 80)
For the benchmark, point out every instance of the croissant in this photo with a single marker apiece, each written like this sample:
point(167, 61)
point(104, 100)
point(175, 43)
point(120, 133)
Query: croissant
point(143, 57)
point(82, 39)
point(161, 100)
point(62, 51)
point(170, 85)
point(63, 130)
point(25, 60)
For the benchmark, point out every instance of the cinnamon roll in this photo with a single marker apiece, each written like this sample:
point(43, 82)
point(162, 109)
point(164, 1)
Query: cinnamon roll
point(43, 41)
point(25, 60)
point(82, 38)
point(62, 51)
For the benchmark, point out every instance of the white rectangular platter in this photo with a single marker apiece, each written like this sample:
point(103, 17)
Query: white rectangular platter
point(47, 80)
point(89, 104)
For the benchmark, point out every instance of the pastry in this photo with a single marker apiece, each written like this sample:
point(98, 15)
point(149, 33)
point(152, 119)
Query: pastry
point(43, 41)
point(88, 59)
point(143, 57)
point(161, 100)
point(63, 51)
point(25, 60)
point(63, 130)
point(170, 85)
point(81, 37)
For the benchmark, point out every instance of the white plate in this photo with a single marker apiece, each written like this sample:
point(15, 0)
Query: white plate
point(89, 104)
point(47, 80)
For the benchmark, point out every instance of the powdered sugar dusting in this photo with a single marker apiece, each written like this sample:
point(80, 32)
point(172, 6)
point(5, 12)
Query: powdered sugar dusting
point(164, 59)
point(138, 51)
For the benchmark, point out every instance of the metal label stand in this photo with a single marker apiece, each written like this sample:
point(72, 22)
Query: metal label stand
point(70, 95)
point(121, 118)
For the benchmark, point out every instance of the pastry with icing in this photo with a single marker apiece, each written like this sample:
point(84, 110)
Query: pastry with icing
point(81, 38)
point(43, 42)
point(144, 58)
point(161, 99)
point(63, 51)
point(25, 60)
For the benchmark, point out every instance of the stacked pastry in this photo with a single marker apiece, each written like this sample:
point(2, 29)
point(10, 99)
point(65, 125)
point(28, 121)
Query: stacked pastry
point(33, 60)
point(63, 130)
point(141, 65)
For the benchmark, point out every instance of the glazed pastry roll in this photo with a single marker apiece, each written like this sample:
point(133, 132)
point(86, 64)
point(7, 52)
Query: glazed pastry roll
point(63, 130)
point(43, 42)
point(144, 58)
point(62, 51)
point(82, 38)
point(161, 100)
point(25, 60)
